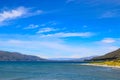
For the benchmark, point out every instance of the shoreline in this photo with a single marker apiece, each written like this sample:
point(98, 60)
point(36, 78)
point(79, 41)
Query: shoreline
point(90, 64)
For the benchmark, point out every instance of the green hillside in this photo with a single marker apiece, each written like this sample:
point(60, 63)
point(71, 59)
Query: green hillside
point(109, 56)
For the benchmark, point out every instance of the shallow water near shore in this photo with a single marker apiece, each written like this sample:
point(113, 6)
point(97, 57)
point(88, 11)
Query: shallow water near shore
point(55, 71)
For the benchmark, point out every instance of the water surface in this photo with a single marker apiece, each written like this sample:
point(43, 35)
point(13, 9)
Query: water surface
point(55, 71)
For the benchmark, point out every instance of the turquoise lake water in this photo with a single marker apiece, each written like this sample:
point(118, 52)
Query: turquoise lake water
point(55, 71)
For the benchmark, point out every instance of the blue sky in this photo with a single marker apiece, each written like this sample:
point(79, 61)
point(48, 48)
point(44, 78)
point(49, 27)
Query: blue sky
point(60, 28)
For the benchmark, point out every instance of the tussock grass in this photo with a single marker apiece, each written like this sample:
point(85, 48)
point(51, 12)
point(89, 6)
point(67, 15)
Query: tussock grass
point(108, 63)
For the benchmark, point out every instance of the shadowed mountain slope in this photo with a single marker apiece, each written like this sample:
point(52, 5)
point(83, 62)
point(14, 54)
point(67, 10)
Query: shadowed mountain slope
point(15, 56)
point(109, 56)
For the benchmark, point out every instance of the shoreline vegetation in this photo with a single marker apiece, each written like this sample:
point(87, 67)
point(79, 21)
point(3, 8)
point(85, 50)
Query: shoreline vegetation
point(112, 64)
point(111, 59)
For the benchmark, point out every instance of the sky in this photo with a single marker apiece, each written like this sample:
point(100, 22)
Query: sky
point(60, 28)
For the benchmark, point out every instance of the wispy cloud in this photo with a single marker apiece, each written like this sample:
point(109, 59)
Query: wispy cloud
point(63, 34)
point(105, 2)
point(85, 26)
point(45, 48)
point(111, 14)
point(111, 7)
point(12, 14)
point(69, 1)
point(47, 26)
point(18, 12)
point(93, 3)
point(108, 40)
point(50, 23)
point(31, 26)
point(48, 29)
point(52, 48)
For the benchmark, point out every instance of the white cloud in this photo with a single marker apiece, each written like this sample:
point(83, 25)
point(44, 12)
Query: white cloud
point(54, 49)
point(32, 26)
point(63, 35)
point(36, 45)
point(12, 14)
point(47, 48)
point(108, 40)
point(17, 13)
point(48, 29)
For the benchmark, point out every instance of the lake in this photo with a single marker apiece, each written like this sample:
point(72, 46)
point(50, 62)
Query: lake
point(55, 71)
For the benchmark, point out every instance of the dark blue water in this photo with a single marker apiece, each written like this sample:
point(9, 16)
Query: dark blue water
point(55, 71)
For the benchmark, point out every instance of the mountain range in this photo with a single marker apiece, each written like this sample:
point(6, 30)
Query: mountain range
point(15, 56)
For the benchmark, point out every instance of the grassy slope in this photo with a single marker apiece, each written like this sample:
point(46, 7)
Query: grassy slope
point(108, 63)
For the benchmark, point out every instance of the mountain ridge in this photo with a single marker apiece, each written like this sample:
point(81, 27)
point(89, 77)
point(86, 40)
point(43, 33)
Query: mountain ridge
point(16, 56)
point(109, 56)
